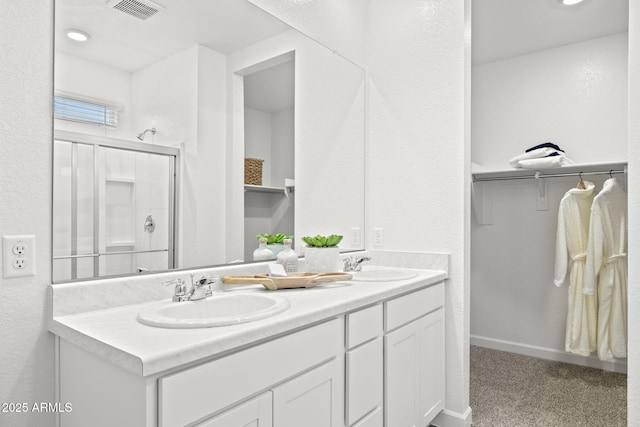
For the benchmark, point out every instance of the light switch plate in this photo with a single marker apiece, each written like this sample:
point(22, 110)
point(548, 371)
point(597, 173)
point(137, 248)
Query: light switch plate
point(356, 237)
point(378, 237)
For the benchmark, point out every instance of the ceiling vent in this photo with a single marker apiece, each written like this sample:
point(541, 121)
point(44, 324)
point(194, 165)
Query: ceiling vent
point(141, 9)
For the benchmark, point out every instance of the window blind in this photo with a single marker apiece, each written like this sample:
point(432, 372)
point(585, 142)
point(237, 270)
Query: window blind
point(82, 111)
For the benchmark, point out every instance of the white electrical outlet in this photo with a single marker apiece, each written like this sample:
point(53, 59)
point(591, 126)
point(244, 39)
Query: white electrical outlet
point(378, 237)
point(18, 256)
point(356, 237)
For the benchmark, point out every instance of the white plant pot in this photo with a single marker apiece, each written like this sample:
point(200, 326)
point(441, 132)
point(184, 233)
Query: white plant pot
point(322, 260)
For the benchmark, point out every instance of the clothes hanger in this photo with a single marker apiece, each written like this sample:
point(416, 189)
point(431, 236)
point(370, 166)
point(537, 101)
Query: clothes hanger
point(580, 185)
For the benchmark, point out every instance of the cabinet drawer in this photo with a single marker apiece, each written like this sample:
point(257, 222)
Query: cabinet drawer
point(195, 393)
point(404, 309)
point(364, 325)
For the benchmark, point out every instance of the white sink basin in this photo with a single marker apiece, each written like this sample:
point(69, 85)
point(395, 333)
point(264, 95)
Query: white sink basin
point(218, 310)
point(382, 275)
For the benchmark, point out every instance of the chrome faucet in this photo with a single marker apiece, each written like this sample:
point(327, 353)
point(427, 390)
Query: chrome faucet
point(200, 288)
point(354, 263)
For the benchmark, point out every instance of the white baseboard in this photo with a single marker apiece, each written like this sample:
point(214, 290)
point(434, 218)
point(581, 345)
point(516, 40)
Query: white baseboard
point(448, 418)
point(616, 365)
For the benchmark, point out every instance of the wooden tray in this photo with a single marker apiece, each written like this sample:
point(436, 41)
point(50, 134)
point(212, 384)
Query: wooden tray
point(293, 280)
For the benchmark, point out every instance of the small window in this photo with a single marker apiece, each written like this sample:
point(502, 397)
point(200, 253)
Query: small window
point(84, 111)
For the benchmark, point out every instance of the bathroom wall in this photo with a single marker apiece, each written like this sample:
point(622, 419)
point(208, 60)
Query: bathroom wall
point(26, 81)
point(633, 378)
point(184, 97)
point(576, 96)
point(417, 156)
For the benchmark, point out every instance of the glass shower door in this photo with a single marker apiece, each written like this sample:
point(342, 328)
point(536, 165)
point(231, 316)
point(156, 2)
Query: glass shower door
point(113, 210)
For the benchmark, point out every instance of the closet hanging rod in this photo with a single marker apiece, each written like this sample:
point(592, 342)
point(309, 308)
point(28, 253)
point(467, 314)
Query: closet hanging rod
point(547, 175)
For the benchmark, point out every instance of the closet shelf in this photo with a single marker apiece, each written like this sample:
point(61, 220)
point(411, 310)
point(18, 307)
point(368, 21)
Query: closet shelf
point(573, 170)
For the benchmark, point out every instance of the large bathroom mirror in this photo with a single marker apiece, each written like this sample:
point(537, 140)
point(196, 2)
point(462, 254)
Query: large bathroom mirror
point(156, 111)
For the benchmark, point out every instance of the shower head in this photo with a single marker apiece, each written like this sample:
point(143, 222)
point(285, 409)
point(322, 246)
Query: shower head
point(141, 135)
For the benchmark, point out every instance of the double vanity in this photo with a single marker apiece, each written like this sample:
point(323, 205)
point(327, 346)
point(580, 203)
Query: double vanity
point(365, 352)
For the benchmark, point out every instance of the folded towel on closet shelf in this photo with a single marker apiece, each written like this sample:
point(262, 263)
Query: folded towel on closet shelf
point(552, 161)
point(547, 155)
point(535, 154)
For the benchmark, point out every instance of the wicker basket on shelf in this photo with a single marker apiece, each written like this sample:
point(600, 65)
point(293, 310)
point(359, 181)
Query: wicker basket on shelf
point(253, 171)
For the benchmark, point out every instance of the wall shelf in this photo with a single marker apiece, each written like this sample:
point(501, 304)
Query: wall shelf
point(266, 189)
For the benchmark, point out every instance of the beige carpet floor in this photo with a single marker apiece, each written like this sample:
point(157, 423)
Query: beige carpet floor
point(512, 390)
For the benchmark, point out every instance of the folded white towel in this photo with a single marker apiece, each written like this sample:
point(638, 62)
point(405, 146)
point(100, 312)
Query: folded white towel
point(533, 154)
point(545, 162)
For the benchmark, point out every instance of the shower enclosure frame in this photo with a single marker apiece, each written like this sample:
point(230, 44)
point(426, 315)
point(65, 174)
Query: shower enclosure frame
point(101, 141)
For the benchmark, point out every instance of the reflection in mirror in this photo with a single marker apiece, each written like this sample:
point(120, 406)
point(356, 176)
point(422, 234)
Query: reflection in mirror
point(200, 85)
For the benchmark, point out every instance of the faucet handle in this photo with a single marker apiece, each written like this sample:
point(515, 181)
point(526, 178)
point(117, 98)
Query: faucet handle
point(212, 278)
point(201, 288)
point(180, 289)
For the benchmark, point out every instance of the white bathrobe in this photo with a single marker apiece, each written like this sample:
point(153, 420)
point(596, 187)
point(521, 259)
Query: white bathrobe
point(571, 252)
point(606, 268)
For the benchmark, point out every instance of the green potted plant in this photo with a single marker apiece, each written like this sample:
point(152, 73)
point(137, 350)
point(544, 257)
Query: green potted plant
point(322, 254)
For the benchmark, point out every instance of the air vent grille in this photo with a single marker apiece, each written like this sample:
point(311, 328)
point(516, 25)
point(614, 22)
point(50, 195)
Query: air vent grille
point(138, 9)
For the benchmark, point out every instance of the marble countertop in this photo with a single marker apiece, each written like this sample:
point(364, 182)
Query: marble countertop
point(115, 335)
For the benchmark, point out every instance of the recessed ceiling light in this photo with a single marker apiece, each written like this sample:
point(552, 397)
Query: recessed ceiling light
point(571, 2)
point(77, 35)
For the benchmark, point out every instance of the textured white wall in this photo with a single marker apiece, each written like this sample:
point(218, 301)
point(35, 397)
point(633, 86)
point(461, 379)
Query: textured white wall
point(417, 151)
point(633, 378)
point(26, 81)
point(575, 96)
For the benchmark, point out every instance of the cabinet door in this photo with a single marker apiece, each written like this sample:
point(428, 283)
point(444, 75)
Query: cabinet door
point(431, 358)
point(312, 399)
point(374, 419)
point(364, 378)
point(254, 413)
point(402, 375)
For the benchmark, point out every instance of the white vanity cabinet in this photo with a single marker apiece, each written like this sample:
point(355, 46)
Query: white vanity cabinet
point(414, 358)
point(381, 365)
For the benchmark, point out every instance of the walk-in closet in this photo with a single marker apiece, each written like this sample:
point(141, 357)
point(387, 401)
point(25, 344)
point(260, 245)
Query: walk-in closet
point(551, 75)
